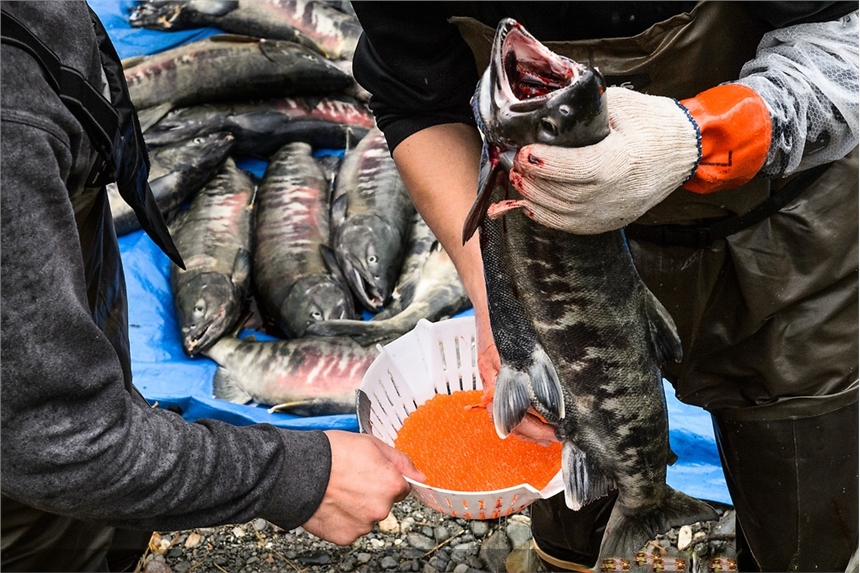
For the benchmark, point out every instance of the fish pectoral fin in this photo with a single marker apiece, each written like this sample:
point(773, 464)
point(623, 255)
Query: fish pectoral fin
point(511, 400)
point(241, 268)
point(664, 333)
point(546, 385)
point(487, 181)
point(224, 387)
point(583, 483)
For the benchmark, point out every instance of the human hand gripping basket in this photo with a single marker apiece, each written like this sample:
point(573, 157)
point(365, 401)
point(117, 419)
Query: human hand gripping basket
point(435, 358)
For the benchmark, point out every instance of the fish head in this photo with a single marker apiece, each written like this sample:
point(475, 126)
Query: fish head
point(369, 252)
point(202, 152)
point(205, 310)
point(316, 298)
point(529, 94)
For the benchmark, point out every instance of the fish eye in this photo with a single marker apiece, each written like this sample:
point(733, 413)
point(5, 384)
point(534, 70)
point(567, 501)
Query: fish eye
point(316, 315)
point(372, 259)
point(198, 141)
point(549, 126)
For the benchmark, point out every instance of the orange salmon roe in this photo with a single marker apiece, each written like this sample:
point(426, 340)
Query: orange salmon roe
point(456, 446)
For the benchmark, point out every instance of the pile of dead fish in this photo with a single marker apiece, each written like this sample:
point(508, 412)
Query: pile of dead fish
point(323, 235)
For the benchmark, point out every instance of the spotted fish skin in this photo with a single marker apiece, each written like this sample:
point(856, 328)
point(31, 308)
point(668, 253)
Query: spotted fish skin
point(580, 337)
point(292, 278)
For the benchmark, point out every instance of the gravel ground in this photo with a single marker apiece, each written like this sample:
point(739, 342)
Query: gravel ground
point(413, 538)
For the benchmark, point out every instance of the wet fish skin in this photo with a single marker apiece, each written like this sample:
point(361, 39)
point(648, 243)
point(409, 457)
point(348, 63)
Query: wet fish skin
point(371, 215)
point(293, 280)
point(331, 31)
point(581, 338)
point(429, 287)
point(262, 127)
point(177, 171)
point(306, 376)
point(228, 68)
point(215, 238)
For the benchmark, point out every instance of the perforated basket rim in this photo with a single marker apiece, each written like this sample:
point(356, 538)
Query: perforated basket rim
point(415, 351)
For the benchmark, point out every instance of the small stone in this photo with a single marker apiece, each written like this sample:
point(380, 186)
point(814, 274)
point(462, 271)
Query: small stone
point(494, 551)
point(251, 560)
point(522, 560)
point(389, 524)
point(181, 567)
point(519, 533)
point(461, 568)
point(238, 532)
point(363, 557)
point(174, 552)
point(260, 524)
point(685, 537)
point(427, 530)
point(157, 567)
point(479, 528)
point(193, 540)
point(419, 541)
point(442, 534)
point(377, 543)
point(429, 569)
point(388, 562)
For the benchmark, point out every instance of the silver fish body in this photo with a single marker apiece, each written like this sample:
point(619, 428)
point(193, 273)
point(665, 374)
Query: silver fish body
point(176, 173)
point(581, 339)
point(291, 276)
point(215, 239)
point(227, 68)
point(312, 23)
point(306, 376)
point(371, 215)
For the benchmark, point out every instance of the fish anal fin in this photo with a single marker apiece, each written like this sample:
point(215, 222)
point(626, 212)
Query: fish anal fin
point(225, 388)
point(664, 333)
point(546, 386)
point(583, 483)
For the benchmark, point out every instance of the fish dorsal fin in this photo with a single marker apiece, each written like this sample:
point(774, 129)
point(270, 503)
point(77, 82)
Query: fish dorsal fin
point(225, 388)
point(338, 210)
point(664, 333)
point(583, 483)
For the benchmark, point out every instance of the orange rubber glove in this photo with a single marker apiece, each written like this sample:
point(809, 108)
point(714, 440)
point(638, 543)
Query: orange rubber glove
point(717, 140)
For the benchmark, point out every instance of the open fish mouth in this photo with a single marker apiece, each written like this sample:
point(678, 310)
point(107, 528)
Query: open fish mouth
point(364, 286)
point(203, 335)
point(527, 71)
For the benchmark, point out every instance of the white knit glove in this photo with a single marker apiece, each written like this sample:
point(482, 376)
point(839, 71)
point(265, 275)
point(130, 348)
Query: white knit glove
point(652, 149)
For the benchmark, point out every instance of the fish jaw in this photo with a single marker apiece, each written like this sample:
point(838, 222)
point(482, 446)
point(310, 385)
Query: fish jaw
point(529, 94)
point(368, 258)
point(204, 310)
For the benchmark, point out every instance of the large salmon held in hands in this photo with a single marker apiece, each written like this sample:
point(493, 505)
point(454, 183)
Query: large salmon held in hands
point(580, 337)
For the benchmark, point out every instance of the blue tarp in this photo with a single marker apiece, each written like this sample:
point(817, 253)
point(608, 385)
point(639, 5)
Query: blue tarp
point(164, 374)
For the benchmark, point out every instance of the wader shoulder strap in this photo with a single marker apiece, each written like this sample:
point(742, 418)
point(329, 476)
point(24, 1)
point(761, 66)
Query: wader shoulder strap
point(703, 236)
point(111, 125)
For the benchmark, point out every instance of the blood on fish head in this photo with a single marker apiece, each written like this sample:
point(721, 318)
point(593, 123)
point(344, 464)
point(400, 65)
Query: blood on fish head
point(204, 310)
point(529, 94)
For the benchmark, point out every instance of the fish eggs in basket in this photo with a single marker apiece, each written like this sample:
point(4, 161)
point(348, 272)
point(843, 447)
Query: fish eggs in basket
point(422, 395)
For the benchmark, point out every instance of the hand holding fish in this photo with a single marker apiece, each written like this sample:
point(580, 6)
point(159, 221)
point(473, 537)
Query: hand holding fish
point(366, 480)
point(651, 150)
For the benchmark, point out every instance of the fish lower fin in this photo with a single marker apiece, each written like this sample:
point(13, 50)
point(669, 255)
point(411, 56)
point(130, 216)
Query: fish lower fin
point(512, 398)
point(225, 388)
point(546, 385)
point(626, 534)
point(583, 483)
point(664, 333)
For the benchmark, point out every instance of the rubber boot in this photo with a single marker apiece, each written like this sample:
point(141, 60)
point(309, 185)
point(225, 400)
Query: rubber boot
point(567, 540)
point(794, 485)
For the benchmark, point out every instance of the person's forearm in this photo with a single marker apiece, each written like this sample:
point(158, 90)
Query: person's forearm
point(439, 166)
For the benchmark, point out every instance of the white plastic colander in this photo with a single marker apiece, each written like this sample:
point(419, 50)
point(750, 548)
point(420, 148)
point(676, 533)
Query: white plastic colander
point(434, 358)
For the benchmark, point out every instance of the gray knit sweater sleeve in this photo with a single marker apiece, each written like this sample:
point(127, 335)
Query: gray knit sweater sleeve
point(74, 440)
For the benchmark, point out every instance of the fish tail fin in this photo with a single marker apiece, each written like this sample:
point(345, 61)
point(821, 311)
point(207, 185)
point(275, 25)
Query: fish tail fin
point(626, 534)
point(224, 387)
point(511, 400)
